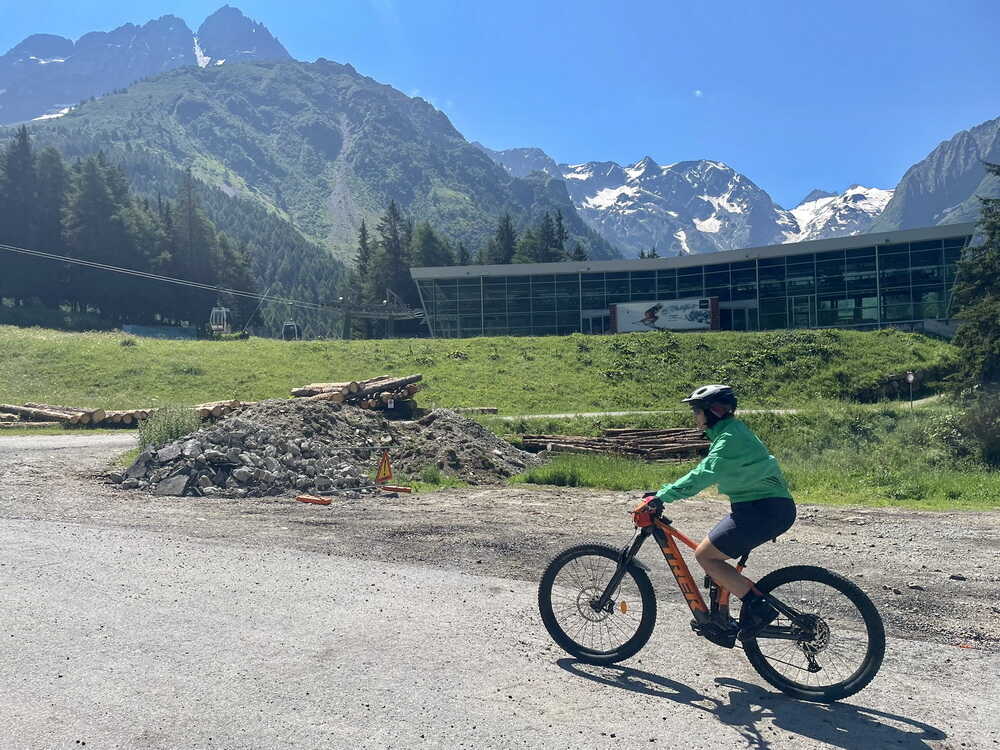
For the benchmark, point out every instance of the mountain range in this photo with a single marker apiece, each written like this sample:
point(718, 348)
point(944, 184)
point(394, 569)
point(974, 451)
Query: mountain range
point(323, 147)
point(694, 206)
point(45, 75)
point(317, 144)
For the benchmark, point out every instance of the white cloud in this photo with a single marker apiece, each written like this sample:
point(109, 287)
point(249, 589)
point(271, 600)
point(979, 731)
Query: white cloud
point(698, 93)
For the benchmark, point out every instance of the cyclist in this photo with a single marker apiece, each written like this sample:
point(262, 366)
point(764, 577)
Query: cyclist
point(761, 505)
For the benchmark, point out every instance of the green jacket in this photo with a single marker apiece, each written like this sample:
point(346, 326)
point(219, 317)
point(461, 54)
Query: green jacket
point(737, 461)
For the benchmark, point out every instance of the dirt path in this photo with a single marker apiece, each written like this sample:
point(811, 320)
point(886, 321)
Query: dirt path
point(934, 576)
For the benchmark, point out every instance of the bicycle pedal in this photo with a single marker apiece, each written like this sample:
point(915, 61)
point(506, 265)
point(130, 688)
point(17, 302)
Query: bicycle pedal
point(725, 637)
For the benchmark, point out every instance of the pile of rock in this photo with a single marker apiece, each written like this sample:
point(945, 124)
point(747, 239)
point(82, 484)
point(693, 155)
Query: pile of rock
point(279, 447)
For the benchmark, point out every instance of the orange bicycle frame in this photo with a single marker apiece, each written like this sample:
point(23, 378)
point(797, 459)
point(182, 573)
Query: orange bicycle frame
point(665, 534)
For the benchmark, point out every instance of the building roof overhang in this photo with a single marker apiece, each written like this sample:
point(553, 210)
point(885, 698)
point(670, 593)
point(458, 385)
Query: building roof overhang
point(702, 259)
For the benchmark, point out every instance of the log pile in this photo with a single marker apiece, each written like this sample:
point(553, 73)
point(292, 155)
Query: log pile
point(385, 392)
point(32, 414)
point(217, 409)
point(648, 445)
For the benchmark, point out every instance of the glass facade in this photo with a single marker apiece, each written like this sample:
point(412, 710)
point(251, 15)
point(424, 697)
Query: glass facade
point(866, 287)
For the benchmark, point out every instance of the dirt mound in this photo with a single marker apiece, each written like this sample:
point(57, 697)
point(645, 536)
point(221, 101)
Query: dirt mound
point(281, 446)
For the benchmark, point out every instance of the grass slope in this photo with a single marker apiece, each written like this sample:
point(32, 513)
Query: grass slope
point(873, 455)
point(518, 375)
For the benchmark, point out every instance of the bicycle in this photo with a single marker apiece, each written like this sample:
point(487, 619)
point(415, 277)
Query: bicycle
point(598, 604)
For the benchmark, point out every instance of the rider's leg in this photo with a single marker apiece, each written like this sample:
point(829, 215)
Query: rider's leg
point(713, 560)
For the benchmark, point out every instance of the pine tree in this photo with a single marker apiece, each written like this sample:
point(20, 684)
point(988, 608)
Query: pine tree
point(89, 233)
point(561, 234)
point(976, 299)
point(17, 209)
point(390, 269)
point(578, 253)
point(428, 249)
point(462, 257)
point(363, 260)
point(53, 184)
point(195, 256)
point(528, 247)
point(360, 286)
point(18, 194)
point(504, 242)
point(548, 248)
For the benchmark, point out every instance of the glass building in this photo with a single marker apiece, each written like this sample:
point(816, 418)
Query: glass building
point(901, 279)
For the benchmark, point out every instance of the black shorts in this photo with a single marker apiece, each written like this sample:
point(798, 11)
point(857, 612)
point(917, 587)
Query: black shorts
point(752, 523)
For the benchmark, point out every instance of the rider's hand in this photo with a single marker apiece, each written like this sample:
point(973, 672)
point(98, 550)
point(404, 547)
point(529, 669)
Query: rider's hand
point(657, 497)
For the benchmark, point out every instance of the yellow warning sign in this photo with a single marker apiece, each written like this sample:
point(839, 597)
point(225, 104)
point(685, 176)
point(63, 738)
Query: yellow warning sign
point(384, 473)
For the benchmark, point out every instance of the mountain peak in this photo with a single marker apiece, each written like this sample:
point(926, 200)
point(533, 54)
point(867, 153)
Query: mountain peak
point(228, 34)
point(817, 194)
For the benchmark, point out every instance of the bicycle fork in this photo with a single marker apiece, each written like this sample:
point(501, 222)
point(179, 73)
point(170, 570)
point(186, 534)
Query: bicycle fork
point(603, 603)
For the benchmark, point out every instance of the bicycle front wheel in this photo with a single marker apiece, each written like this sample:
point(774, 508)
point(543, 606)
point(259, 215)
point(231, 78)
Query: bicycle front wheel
point(834, 650)
point(567, 600)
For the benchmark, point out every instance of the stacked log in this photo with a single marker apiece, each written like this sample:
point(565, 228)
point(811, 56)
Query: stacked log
point(386, 392)
point(648, 445)
point(314, 389)
point(216, 409)
point(44, 414)
point(33, 413)
point(126, 418)
point(75, 414)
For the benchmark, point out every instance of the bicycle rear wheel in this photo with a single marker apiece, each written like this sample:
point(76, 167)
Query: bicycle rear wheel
point(837, 652)
point(571, 585)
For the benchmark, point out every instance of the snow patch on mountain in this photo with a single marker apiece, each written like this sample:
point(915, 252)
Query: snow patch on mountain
point(712, 224)
point(53, 115)
point(851, 212)
point(609, 196)
point(201, 57)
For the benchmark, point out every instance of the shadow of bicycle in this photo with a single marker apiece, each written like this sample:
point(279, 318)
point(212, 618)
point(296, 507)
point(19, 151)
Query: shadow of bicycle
point(836, 724)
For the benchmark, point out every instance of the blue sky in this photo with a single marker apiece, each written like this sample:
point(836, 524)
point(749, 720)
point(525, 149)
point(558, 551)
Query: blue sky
point(795, 95)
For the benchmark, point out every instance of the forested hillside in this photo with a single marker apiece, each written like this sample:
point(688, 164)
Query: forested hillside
point(86, 210)
point(315, 143)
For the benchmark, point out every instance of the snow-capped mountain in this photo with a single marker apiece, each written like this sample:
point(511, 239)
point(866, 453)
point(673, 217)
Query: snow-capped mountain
point(682, 208)
point(821, 214)
point(46, 75)
point(694, 206)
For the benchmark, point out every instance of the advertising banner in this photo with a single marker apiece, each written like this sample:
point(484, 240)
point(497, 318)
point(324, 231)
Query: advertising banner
point(699, 314)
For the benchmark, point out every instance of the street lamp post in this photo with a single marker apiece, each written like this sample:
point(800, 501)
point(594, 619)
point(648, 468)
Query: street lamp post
point(910, 377)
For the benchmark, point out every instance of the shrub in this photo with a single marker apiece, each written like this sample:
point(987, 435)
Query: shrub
point(981, 422)
point(430, 474)
point(166, 425)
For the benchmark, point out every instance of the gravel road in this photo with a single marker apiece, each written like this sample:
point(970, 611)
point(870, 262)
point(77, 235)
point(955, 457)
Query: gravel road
point(140, 622)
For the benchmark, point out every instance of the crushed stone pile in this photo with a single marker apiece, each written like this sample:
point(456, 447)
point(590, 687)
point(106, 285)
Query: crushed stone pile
point(291, 446)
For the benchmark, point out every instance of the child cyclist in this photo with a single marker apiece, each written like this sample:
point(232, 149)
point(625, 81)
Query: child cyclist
point(761, 505)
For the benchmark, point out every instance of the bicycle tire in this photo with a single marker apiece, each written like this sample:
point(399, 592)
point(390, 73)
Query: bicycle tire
point(874, 627)
point(595, 656)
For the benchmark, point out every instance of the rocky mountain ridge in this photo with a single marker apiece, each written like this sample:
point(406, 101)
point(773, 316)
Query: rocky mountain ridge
point(943, 188)
point(821, 215)
point(45, 75)
point(694, 206)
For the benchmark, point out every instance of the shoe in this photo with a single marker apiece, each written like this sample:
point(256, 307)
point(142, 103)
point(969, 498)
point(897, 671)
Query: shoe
point(718, 633)
point(758, 614)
